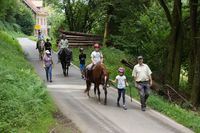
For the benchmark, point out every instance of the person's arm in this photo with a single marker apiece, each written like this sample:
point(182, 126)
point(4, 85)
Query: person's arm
point(114, 81)
point(134, 76)
point(92, 58)
point(126, 82)
point(44, 62)
point(150, 77)
point(151, 81)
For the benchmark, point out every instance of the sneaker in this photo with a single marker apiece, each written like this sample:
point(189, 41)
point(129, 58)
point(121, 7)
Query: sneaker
point(143, 109)
point(118, 105)
point(50, 81)
point(124, 107)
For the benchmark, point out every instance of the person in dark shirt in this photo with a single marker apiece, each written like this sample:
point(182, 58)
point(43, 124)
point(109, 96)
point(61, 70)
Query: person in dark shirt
point(48, 45)
point(82, 58)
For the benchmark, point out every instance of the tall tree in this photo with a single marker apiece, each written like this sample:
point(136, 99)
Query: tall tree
point(175, 42)
point(194, 72)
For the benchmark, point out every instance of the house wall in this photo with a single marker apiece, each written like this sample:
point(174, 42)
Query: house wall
point(42, 21)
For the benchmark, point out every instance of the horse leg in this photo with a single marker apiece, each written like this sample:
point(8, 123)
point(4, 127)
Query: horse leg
point(98, 93)
point(63, 67)
point(95, 88)
point(67, 70)
point(88, 85)
point(105, 100)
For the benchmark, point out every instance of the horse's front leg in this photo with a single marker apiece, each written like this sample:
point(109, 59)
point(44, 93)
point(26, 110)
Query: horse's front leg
point(88, 85)
point(95, 88)
point(67, 69)
point(99, 99)
point(105, 100)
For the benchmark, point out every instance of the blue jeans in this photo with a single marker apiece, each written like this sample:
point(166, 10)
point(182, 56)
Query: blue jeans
point(49, 72)
point(82, 66)
point(144, 90)
point(121, 92)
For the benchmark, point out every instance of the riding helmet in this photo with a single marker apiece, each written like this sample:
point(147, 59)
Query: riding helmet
point(96, 45)
point(121, 70)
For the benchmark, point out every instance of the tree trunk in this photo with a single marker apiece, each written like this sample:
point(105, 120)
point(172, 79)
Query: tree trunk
point(105, 36)
point(195, 95)
point(174, 49)
point(195, 55)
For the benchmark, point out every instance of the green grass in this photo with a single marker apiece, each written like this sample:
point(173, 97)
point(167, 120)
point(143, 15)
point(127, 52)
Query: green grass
point(112, 59)
point(24, 103)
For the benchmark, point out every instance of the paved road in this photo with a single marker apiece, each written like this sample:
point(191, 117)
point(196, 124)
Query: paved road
point(90, 116)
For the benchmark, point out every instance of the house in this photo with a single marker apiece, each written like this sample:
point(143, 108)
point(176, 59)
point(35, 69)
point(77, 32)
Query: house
point(40, 15)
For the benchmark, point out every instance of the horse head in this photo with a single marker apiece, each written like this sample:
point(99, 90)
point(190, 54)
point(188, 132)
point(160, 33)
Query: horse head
point(104, 75)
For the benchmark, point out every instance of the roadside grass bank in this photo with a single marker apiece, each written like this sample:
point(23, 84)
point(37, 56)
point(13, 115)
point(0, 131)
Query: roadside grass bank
point(24, 103)
point(112, 58)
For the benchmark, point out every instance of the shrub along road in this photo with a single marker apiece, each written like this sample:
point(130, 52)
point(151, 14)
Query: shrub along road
point(90, 116)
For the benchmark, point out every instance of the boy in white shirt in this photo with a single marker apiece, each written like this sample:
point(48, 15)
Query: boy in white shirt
point(121, 85)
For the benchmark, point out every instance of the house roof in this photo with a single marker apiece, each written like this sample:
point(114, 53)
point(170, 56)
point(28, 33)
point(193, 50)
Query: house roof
point(36, 10)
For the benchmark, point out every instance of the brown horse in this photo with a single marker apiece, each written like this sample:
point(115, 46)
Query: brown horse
point(99, 76)
point(40, 47)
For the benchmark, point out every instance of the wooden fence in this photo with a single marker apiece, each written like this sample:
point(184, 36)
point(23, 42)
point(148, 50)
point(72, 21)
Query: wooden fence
point(78, 39)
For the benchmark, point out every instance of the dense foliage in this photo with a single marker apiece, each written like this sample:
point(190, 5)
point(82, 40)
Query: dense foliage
point(15, 16)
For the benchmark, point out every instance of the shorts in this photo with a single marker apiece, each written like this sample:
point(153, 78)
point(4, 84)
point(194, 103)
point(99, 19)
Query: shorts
point(82, 67)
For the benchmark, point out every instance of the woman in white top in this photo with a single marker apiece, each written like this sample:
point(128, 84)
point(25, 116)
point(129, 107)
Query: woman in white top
point(121, 85)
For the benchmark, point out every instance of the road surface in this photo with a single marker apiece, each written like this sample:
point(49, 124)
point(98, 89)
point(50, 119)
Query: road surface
point(90, 116)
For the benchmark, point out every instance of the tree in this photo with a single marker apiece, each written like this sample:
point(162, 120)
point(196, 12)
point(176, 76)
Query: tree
point(194, 55)
point(25, 19)
point(173, 65)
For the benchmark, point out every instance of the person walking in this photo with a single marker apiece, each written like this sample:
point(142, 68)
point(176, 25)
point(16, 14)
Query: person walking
point(48, 64)
point(121, 86)
point(143, 80)
point(82, 58)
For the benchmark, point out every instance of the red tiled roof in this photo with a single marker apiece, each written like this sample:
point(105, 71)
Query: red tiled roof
point(30, 4)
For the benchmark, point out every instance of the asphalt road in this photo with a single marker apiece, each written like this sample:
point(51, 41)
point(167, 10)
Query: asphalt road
point(87, 113)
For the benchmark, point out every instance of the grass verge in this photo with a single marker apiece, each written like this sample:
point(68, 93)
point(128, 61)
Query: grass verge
point(112, 59)
point(24, 103)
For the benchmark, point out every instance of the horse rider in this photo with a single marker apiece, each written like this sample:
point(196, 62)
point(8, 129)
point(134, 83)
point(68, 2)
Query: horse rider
point(48, 45)
point(96, 57)
point(40, 38)
point(63, 44)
